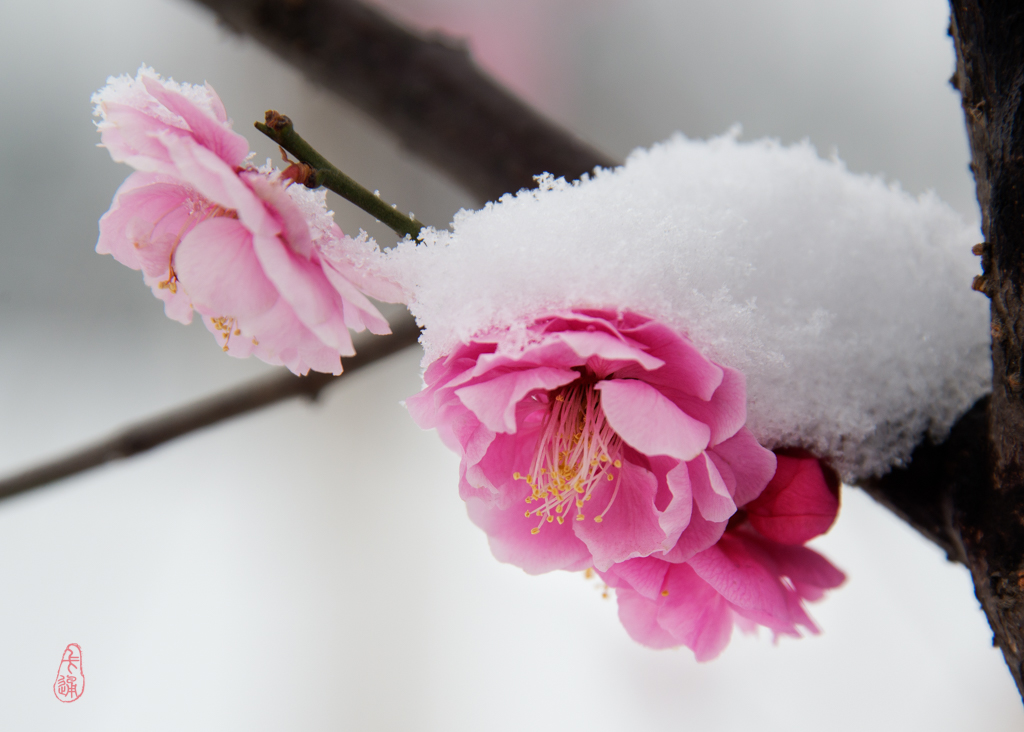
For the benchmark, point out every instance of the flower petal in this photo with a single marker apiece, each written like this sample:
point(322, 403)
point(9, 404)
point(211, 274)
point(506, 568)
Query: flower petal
point(685, 368)
point(710, 491)
point(725, 413)
point(694, 613)
point(797, 505)
point(216, 264)
point(734, 569)
point(305, 287)
point(630, 527)
point(751, 465)
point(647, 421)
point(553, 547)
point(209, 132)
point(698, 535)
point(677, 514)
point(804, 565)
point(646, 575)
point(639, 616)
point(494, 401)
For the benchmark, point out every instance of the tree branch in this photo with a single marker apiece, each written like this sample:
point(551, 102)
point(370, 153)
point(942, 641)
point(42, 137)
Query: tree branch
point(428, 92)
point(440, 105)
point(165, 427)
point(316, 171)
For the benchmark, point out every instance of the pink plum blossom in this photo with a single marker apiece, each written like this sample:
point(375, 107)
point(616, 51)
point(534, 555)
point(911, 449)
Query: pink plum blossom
point(261, 261)
point(594, 438)
point(606, 440)
point(757, 573)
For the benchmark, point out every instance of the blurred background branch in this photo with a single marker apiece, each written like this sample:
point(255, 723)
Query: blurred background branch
point(178, 422)
point(426, 91)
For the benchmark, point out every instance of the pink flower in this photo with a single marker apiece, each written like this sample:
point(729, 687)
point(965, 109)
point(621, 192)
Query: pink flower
point(260, 260)
point(746, 578)
point(593, 438)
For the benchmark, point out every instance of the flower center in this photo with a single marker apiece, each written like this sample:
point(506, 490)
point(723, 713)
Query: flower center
point(576, 450)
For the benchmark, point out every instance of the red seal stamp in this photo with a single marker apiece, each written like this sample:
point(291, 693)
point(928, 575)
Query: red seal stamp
point(70, 681)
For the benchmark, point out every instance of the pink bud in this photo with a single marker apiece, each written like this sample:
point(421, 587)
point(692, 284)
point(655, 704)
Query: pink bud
point(800, 502)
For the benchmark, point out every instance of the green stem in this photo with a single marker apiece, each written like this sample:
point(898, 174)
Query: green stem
point(280, 129)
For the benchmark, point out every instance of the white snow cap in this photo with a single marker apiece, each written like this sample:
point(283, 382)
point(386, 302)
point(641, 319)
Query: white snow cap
point(846, 302)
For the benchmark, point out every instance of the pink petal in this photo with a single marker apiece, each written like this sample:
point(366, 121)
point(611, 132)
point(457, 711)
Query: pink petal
point(646, 575)
point(296, 228)
point(685, 368)
point(677, 514)
point(218, 182)
point(215, 263)
point(503, 456)
point(647, 421)
point(144, 208)
point(698, 535)
point(600, 351)
point(639, 616)
point(364, 313)
point(177, 305)
point(797, 505)
point(553, 547)
point(588, 345)
point(710, 492)
point(494, 401)
point(305, 287)
point(462, 432)
point(283, 339)
point(694, 613)
point(374, 285)
point(130, 136)
point(751, 465)
point(630, 527)
point(210, 132)
point(725, 413)
point(734, 570)
point(803, 565)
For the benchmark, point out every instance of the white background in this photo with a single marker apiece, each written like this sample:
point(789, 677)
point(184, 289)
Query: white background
point(312, 568)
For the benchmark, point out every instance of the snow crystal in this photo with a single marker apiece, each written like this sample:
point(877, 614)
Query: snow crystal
point(313, 205)
point(846, 302)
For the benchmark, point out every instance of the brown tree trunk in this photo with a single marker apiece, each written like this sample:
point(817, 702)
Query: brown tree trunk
point(989, 38)
point(968, 493)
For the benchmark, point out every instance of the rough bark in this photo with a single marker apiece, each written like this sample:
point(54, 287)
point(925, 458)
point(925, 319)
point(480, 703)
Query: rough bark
point(427, 91)
point(989, 38)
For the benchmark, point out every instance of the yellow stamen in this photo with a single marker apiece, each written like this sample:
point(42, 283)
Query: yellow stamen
point(576, 447)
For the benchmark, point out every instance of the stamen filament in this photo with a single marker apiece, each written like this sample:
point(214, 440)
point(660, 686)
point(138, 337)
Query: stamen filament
point(576, 448)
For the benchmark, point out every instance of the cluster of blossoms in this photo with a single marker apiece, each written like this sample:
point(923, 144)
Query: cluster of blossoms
point(611, 358)
point(622, 361)
point(606, 440)
point(261, 261)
